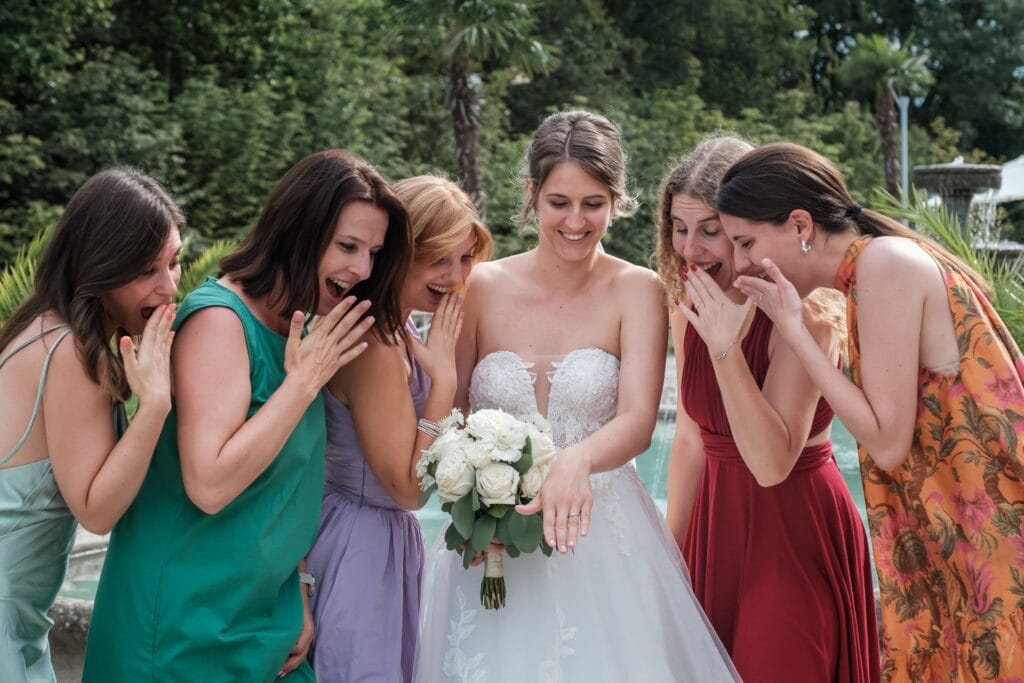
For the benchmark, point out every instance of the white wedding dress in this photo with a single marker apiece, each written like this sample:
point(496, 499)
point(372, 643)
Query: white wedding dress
point(618, 609)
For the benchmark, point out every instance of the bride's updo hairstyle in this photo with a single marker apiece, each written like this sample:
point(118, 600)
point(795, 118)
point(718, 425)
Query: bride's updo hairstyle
point(590, 140)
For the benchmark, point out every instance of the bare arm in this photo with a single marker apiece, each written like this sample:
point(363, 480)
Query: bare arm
point(880, 416)
point(98, 476)
point(377, 389)
point(222, 452)
point(687, 459)
point(466, 347)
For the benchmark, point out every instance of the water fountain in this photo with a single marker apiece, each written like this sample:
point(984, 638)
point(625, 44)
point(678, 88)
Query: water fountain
point(960, 184)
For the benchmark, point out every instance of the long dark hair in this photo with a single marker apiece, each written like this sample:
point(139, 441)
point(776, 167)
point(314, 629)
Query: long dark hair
point(768, 183)
point(111, 231)
point(279, 257)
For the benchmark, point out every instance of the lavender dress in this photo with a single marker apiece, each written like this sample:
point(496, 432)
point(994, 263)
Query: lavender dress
point(367, 560)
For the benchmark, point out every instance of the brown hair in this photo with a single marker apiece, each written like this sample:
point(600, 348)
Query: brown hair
point(767, 184)
point(698, 175)
point(441, 215)
point(590, 140)
point(280, 255)
point(110, 233)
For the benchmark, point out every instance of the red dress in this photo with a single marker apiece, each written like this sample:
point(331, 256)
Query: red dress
point(782, 572)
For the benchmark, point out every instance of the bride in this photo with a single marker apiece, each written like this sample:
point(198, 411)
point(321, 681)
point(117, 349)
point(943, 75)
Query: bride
point(579, 336)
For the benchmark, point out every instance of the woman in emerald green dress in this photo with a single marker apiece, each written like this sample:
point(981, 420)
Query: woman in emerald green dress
point(202, 578)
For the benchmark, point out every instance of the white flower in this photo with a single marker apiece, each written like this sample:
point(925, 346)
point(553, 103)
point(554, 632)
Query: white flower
point(451, 441)
point(537, 420)
point(452, 420)
point(454, 477)
point(534, 478)
point(542, 449)
point(497, 483)
point(421, 468)
point(478, 454)
point(502, 433)
point(426, 481)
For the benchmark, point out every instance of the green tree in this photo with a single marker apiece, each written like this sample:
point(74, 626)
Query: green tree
point(873, 69)
point(478, 36)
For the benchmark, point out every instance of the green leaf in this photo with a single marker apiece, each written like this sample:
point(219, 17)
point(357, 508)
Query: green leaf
point(462, 515)
point(476, 499)
point(483, 532)
point(512, 551)
point(452, 538)
point(425, 496)
point(524, 463)
point(526, 531)
point(467, 558)
point(502, 532)
point(498, 511)
point(545, 548)
point(446, 507)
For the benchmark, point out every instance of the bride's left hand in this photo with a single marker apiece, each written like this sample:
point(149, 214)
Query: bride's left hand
point(565, 499)
point(715, 317)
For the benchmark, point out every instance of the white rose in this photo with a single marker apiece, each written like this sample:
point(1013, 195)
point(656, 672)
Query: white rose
point(497, 484)
point(541, 448)
point(534, 478)
point(454, 478)
point(478, 454)
point(502, 433)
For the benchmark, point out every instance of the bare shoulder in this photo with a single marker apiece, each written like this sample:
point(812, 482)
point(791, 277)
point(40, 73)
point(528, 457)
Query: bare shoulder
point(632, 280)
point(897, 258)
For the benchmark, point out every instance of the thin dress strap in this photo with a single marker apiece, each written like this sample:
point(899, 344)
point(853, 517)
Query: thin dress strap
point(42, 382)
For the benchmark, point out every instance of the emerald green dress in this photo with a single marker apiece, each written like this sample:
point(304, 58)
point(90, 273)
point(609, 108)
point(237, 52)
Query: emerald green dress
point(188, 596)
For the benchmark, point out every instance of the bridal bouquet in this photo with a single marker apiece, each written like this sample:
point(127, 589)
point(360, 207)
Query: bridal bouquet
point(481, 467)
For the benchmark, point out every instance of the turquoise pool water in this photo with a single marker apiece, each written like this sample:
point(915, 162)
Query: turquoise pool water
point(652, 465)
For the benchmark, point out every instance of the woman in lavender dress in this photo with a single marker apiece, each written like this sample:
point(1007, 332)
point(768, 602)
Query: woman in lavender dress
point(368, 557)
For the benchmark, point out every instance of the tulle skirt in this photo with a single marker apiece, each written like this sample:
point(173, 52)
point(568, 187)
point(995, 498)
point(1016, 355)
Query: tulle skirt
point(619, 608)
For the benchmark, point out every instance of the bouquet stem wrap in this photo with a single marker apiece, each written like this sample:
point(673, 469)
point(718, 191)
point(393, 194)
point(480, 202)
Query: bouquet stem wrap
point(492, 588)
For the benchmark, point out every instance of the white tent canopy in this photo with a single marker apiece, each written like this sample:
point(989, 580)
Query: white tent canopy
point(1012, 188)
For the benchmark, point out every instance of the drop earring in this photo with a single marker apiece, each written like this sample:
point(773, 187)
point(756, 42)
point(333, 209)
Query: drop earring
point(805, 248)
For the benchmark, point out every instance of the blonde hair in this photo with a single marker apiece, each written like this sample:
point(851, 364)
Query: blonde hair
point(441, 215)
point(698, 175)
point(590, 140)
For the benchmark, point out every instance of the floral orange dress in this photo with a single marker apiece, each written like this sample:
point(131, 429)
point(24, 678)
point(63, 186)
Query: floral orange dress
point(947, 527)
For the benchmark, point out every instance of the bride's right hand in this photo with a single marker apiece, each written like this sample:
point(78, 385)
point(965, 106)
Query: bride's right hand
point(332, 342)
point(495, 547)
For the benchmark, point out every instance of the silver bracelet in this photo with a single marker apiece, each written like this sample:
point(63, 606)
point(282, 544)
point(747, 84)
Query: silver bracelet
point(428, 427)
point(723, 354)
point(309, 580)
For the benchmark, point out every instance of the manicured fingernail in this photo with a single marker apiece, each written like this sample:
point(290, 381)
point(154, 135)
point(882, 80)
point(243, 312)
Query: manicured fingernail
point(677, 303)
point(561, 548)
point(551, 542)
point(572, 544)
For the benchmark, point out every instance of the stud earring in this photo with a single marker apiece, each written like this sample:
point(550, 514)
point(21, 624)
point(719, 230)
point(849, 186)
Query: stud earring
point(805, 248)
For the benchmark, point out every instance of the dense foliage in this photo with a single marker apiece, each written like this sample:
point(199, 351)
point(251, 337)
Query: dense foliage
point(217, 98)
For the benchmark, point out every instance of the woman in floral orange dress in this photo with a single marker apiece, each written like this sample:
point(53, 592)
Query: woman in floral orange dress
point(936, 404)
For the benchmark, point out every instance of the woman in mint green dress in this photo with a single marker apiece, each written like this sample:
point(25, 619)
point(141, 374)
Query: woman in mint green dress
point(111, 268)
point(202, 578)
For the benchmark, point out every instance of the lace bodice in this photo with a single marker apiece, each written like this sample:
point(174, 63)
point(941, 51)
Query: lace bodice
point(583, 394)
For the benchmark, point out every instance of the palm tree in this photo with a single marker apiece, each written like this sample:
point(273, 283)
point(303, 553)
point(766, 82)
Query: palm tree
point(874, 69)
point(498, 33)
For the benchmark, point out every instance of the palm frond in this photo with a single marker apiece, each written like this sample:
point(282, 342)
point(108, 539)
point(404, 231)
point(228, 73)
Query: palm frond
point(202, 266)
point(18, 278)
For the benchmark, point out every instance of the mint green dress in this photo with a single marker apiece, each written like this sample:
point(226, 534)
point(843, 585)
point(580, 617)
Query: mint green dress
point(36, 535)
point(189, 596)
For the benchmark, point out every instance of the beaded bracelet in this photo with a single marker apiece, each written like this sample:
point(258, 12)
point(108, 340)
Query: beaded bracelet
point(428, 427)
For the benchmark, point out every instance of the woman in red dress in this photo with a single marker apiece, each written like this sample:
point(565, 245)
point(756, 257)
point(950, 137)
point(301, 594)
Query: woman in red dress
point(773, 541)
